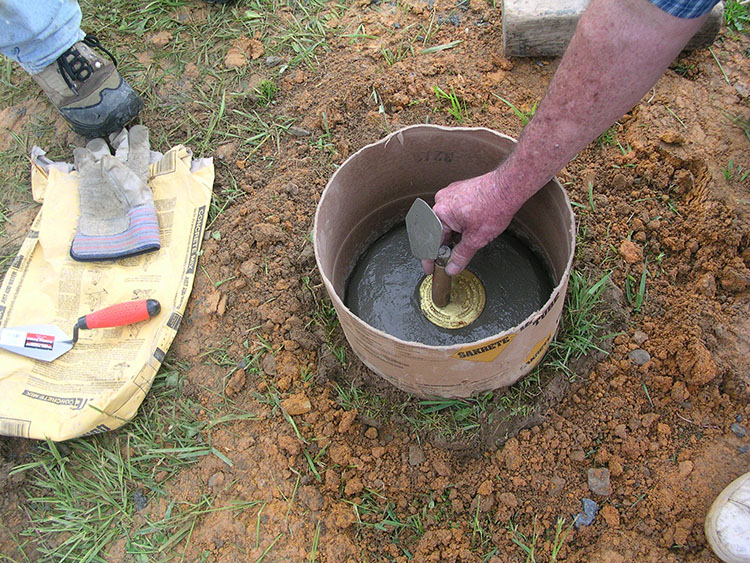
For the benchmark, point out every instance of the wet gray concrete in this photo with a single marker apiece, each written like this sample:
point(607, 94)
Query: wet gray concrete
point(383, 289)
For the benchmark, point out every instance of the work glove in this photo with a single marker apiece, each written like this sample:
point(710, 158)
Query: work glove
point(118, 217)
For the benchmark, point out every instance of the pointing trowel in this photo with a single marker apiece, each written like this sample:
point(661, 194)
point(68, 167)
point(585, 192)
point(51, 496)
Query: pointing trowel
point(425, 233)
point(47, 342)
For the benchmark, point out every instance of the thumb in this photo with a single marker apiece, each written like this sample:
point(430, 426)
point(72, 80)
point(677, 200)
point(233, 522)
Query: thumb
point(461, 255)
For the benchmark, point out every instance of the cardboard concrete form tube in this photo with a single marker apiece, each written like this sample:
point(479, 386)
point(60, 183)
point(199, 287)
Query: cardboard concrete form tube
point(372, 191)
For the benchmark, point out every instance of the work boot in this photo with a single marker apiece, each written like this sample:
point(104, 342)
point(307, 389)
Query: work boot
point(728, 522)
point(88, 91)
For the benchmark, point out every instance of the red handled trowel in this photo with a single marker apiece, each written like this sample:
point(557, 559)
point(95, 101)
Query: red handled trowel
point(47, 342)
point(425, 233)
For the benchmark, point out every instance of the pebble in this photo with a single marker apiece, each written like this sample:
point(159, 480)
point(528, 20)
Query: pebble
point(216, 480)
point(416, 455)
point(598, 480)
point(639, 356)
point(273, 60)
point(139, 499)
point(639, 337)
point(738, 430)
point(586, 518)
point(298, 132)
point(297, 404)
point(743, 449)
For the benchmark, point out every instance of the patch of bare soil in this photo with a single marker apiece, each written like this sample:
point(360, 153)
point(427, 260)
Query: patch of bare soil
point(649, 441)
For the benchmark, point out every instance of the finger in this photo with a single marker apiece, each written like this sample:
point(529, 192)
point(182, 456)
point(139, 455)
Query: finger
point(83, 159)
point(139, 137)
point(139, 156)
point(119, 142)
point(447, 234)
point(461, 255)
point(98, 148)
point(428, 266)
point(126, 182)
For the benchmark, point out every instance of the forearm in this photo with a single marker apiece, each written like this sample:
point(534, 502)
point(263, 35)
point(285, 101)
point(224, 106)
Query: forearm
point(619, 50)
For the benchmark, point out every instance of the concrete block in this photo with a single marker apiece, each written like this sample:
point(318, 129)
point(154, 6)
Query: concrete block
point(543, 28)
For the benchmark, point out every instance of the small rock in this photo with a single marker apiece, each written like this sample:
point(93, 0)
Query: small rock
point(738, 418)
point(139, 499)
point(577, 456)
point(707, 285)
point(442, 468)
point(586, 518)
point(685, 468)
point(639, 356)
point(235, 58)
point(236, 383)
point(297, 404)
point(611, 516)
point(485, 489)
point(371, 433)
point(598, 480)
point(672, 138)
point(639, 337)
point(225, 151)
point(743, 449)
point(291, 189)
point(353, 486)
point(738, 430)
point(289, 444)
point(269, 365)
point(216, 480)
point(416, 455)
point(557, 484)
point(630, 252)
point(273, 60)
point(508, 499)
point(298, 132)
point(161, 38)
point(735, 277)
point(311, 497)
point(267, 233)
point(347, 420)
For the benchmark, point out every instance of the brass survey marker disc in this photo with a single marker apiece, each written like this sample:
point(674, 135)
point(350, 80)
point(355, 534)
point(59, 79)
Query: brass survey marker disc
point(466, 304)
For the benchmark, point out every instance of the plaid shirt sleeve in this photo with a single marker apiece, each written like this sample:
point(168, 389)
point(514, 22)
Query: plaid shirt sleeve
point(687, 9)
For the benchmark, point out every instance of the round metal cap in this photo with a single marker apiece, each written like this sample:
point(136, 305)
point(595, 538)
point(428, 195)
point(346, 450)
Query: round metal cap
point(467, 302)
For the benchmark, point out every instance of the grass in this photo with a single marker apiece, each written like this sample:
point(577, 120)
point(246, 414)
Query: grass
point(721, 68)
point(581, 323)
point(635, 291)
point(82, 494)
point(737, 15)
point(528, 542)
point(742, 123)
point(377, 514)
point(735, 173)
point(608, 138)
point(524, 116)
point(456, 107)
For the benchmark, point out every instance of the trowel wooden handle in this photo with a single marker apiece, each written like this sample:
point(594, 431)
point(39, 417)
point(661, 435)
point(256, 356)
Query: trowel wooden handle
point(441, 281)
point(121, 314)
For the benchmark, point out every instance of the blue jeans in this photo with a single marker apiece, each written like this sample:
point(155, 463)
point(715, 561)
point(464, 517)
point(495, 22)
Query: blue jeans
point(35, 32)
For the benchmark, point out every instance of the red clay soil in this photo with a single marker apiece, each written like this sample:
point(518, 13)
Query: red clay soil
point(651, 444)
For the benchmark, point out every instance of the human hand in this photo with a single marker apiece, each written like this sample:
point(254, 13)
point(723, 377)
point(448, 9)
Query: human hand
point(479, 209)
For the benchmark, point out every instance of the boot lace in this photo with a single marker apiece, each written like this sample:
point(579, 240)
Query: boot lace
point(74, 67)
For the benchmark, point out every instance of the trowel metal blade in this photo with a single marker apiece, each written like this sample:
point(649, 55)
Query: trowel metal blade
point(424, 229)
point(40, 342)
